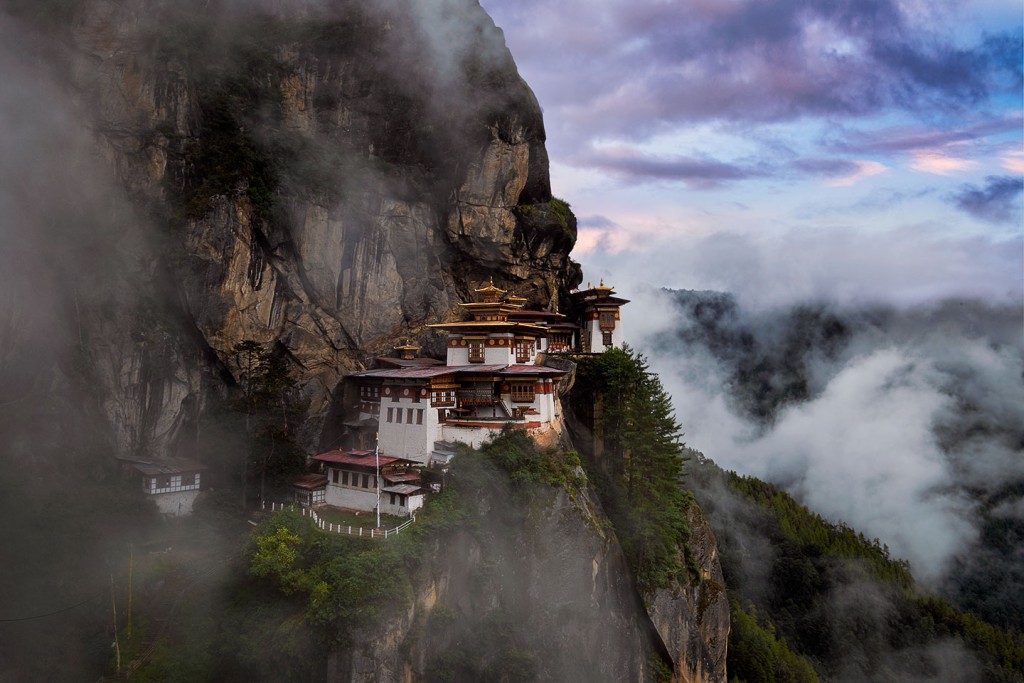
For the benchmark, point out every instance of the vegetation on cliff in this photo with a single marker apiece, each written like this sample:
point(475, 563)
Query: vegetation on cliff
point(511, 520)
point(808, 591)
point(641, 481)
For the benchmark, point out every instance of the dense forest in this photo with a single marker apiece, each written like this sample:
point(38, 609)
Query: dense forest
point(817, 600)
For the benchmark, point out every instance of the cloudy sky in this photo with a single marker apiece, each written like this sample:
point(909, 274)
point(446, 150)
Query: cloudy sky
point(849, 152)
point(785, 149)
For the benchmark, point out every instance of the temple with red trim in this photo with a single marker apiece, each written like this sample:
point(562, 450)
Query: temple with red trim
point(494, 375)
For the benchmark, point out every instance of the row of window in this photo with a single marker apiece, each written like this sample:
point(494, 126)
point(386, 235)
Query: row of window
point(174, 481)
point(345, 478)
point(395, 415)
point(522, 393)
point(442, 397)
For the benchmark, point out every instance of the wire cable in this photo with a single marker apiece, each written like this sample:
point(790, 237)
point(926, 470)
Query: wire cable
point(59, 611)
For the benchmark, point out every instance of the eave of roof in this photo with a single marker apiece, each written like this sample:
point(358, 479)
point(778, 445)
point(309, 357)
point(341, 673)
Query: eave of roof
point(359, 458)
point(404, 489)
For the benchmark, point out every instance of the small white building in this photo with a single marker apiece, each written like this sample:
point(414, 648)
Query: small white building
point(173, 484)
point(353, 478)
point(309, 490)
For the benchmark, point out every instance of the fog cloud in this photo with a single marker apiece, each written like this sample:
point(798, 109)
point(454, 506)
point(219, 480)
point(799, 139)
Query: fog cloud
point(900, 422)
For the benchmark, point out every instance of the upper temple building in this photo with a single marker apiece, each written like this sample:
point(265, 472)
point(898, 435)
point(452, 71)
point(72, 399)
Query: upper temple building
point(493, 375)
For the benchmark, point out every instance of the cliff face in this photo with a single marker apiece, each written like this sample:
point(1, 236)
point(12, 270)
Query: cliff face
point(693, 619)
point(539, 590)
point(327, 178)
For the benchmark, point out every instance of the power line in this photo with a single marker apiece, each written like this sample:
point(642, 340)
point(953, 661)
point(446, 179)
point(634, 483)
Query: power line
point(59, 611)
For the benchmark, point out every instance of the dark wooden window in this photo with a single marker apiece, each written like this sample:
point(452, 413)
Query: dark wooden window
point(476, 351)
point(607, 321)
point(408, 416)
point(522, 392)
point(419, 416)
point(391, 414)
point(366, 481)
point(606, 337)
point(523, 351)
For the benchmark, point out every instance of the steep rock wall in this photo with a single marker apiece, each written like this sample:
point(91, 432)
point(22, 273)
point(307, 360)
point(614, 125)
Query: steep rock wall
point(539, 589)
point(328, 177)
point(531, 583)
point(693, 618)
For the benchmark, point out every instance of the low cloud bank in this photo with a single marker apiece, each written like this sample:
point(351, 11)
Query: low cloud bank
point(903, 422)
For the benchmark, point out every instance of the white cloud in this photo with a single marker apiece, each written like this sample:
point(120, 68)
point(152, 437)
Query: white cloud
point(865, 169)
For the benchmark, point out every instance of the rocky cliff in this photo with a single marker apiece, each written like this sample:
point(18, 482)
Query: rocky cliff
point(534, 586)
point(323, 177)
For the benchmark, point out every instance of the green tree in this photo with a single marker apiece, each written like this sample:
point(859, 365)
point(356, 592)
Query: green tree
point(271, 403)
point(643, 450)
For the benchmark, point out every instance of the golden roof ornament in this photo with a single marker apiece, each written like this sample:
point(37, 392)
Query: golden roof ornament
point(491, 294)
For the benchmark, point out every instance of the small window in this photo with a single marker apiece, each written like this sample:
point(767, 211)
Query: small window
point(408, 416)
point(398, 417)
point(344, 477)
point(606, 337)
point(476, 351)
point(523, 350)
point(366, 481)
point(419, 416)
point(391, 414)
point(392, 499)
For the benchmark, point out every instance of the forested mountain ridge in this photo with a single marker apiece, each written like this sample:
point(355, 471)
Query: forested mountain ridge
point(817, 600)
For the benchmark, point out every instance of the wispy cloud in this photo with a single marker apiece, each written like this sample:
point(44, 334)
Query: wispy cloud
point(757, 61)
point(634, 165)
point(940, 162)
point(864, 169)
point(997, 202)
point(1014, 162)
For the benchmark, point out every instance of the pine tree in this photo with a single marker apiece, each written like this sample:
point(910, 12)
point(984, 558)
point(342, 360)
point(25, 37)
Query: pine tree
point(642, 442)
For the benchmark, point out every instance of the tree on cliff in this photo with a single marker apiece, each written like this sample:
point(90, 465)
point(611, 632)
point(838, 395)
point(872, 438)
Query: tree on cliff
point(271, 405)
point(643, 450)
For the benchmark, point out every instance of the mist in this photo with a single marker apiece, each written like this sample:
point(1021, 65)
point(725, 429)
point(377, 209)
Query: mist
point(902, 421)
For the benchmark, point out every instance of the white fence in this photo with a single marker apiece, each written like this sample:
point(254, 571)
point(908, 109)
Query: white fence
point(339, 528)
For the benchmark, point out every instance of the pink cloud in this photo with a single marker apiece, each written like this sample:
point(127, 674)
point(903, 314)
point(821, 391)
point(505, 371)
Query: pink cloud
point(865, 169)
point(940, 163)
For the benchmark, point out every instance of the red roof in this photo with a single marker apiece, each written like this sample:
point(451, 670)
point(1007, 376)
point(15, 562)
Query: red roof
point(530, 370)
point(407, 476)
point(310, 481)
point(439, 370)
point(363, 458)
point(407, 373)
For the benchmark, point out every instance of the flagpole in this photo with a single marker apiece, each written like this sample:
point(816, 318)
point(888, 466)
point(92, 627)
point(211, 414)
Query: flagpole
point(376, 453)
